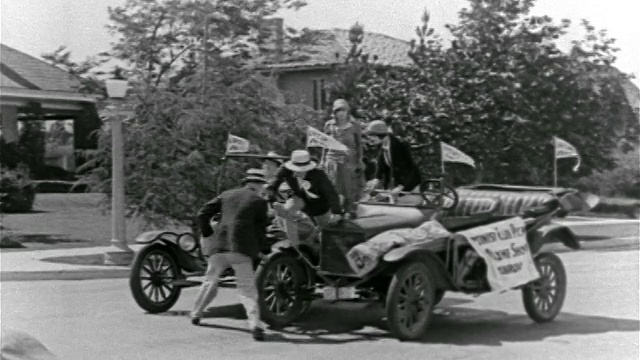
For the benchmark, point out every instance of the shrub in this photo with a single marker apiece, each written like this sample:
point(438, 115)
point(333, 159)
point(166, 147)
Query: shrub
point(622, 181)
point(16, 190)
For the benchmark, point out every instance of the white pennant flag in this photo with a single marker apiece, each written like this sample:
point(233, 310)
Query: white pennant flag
point(316, 138)
point(236, 144)
point(565, 150)
point(452, 154)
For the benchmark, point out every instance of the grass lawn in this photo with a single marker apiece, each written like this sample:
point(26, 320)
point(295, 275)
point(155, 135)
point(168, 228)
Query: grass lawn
point(63, 221)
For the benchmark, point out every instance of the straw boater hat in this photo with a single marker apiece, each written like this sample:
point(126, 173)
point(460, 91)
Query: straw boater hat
point(300, 161)
point(255, 176)
point(377, 127)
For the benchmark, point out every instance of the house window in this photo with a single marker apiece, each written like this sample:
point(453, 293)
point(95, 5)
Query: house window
point(319, 94)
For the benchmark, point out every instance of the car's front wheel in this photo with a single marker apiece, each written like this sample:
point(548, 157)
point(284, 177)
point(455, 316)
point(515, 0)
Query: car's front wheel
point(281, 282)
point(410, 301)
point(152, 277)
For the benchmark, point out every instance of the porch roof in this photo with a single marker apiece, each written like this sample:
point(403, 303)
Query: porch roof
point(26, 80)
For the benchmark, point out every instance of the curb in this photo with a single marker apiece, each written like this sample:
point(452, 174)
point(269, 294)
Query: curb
point(63, 275)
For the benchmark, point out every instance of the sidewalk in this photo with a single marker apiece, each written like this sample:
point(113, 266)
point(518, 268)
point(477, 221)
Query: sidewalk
point(48, 265)
point(62, 264)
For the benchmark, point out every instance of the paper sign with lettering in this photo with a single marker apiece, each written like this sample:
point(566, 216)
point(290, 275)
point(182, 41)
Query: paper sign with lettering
point(236, 144)
point(504, 248)
point(316, 138)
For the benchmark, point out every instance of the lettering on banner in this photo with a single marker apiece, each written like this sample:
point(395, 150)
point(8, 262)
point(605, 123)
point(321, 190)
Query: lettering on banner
point(504, 248)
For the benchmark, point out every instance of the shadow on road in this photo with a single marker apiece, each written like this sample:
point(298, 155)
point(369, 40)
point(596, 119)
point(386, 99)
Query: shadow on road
point(493, 328)
point(330, 324)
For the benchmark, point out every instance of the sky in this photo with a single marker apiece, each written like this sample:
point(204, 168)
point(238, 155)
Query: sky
point(39, 26)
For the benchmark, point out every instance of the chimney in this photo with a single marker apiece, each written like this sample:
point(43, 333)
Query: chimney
point(277, 36)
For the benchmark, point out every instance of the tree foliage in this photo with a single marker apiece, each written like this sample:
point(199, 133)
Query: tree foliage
point(167, 41)
point(191, 87)
point(175, 144)
point(500, 91)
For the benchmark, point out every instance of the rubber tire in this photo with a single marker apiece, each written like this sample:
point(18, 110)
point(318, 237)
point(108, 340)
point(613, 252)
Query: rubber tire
point(136, 286)
point(311, 283)
point(392, 301)
point(528, 294)
point(298, 307)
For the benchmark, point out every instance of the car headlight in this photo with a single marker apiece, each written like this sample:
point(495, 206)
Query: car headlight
point(187, 242)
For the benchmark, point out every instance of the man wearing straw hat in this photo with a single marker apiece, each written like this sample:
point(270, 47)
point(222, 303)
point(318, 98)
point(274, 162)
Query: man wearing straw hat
point(313, 194)
point(237, 240)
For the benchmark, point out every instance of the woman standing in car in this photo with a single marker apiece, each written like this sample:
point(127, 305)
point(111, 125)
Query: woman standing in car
point(345, 169)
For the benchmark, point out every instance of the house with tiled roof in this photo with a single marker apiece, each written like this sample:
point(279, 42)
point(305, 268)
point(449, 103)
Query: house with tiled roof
point(31, 89)
point(304, 74)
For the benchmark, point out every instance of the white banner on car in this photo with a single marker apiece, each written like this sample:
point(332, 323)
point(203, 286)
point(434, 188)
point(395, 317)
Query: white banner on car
point(504, 248)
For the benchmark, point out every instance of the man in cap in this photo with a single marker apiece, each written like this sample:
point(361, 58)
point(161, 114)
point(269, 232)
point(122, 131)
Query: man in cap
point(237, 240)
point(313, 193)
point(396, 170)
point(271, 164)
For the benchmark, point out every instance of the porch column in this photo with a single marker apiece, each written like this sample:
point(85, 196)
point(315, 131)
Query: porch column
point(9, 116)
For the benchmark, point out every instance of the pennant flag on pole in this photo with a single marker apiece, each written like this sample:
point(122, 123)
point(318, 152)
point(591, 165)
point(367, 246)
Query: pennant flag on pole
point(565, 150)
point(316, 138)
point(452, 154)
point(236, 144)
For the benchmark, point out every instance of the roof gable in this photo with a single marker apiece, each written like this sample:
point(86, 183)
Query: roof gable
point(20, 70)
point(332, 46)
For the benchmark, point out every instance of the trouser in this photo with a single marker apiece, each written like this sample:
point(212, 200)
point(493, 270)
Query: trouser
point(245, 283)
point(349, 183)
point(292, 220)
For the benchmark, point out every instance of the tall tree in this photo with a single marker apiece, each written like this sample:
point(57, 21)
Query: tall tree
point(191, 87)
point(502, 89)
point(170, 39)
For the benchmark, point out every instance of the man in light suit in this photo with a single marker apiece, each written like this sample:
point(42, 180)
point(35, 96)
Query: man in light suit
point(237, 240)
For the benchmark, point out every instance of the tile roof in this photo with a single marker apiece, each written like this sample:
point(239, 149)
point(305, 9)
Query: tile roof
point(20, 70)
point(328, 43)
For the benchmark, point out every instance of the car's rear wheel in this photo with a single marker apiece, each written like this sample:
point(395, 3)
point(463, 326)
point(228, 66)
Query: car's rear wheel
point(543, 298)
point(410, 301)
point(281, 282)
point(152, 277)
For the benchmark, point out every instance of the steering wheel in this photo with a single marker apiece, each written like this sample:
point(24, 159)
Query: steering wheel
point(436, 193)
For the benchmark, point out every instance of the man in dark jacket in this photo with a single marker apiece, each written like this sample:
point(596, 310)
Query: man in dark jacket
point(313, 193)
point(395, 170)
point(236, 241)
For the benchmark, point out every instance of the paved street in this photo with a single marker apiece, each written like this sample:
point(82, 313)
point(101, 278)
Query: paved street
point(97, 319)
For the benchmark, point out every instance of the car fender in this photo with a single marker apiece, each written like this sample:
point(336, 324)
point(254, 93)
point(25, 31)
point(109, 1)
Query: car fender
point(420, 252)
point(157, 235)
point(552, 232)
point(169, 239)
point(284, 247)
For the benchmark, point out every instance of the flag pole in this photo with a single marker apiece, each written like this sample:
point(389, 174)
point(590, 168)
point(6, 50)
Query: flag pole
point(441, 159)
point(555, 167)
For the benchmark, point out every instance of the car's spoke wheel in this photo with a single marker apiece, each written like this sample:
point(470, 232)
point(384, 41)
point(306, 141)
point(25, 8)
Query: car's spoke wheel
point(543, 298)
point(281, 283)
point(410, 300)
point(152, 279)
